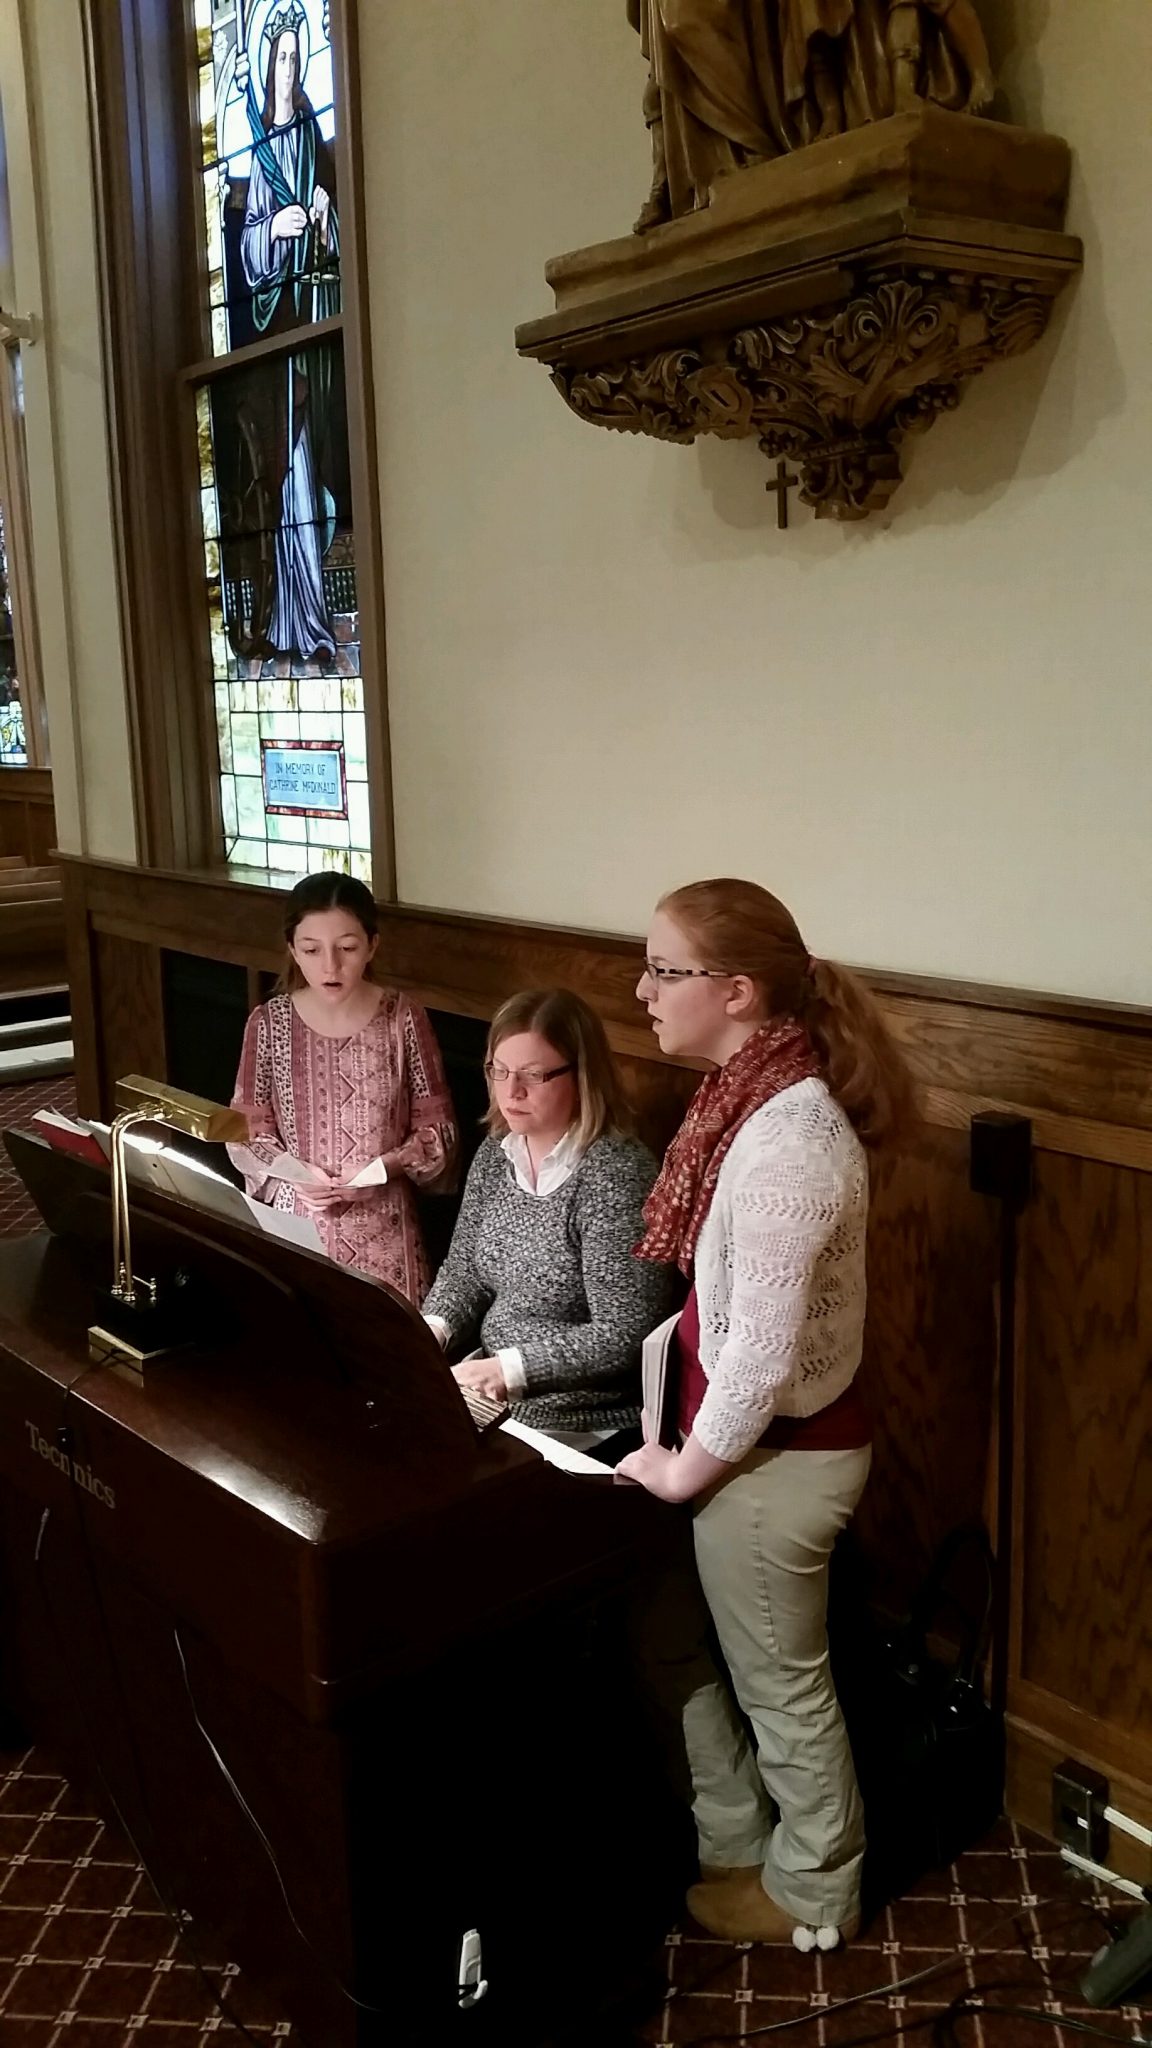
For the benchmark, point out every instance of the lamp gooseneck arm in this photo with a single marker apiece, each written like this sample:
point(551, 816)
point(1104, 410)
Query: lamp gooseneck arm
point(123, 1284)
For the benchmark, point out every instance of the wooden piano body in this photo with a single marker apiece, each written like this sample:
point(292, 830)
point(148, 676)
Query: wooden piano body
point(286, 1558)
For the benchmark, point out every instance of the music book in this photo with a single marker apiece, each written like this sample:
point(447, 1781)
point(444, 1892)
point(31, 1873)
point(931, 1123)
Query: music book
point(65, 1135)
point(660, 1392)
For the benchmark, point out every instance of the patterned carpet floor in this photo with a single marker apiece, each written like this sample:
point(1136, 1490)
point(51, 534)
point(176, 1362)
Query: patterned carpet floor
point(90, 1959)
point(17, 1105)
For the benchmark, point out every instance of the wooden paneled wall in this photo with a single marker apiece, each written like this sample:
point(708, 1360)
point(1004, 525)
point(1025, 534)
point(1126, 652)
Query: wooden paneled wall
point(1080, 1673)
point(27, 814)
point(31, 912)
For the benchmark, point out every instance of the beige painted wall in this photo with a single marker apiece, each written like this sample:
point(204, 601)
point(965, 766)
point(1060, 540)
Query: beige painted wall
point(609, 672)
point(55, 277)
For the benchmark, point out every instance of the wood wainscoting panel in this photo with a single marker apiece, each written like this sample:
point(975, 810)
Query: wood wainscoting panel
point(1103, 1739)
point(27, 814)
point(659, 1094)
point(1085, 1625)
point(929, 1357)
point(131, 998)
point(1090, 1061)
point(482, 960)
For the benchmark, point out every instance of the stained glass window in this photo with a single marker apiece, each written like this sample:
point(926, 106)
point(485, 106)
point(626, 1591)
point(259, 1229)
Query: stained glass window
point(272, 433)
point(13, 746)
point(20, 708)
point(267, 125)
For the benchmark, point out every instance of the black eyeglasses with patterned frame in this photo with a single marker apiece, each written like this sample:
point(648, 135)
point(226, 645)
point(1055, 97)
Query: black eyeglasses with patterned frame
point(656, 972)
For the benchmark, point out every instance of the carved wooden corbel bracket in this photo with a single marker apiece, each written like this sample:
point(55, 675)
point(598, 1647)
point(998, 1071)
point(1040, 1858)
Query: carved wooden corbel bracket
point(829, 343)
point(835, 389)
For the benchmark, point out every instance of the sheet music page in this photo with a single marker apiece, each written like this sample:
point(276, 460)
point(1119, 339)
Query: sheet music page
point(298, 1230)
point(178, 1175)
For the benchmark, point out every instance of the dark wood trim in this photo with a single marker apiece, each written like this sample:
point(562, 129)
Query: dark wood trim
point(1077, 1136)
point(25, 785)
point(272, 345)
point(1081, 1732)
point(1023, 1002)
point(87, 1027)
point(362, 450)
point(1085, 1075)
point(137, 54)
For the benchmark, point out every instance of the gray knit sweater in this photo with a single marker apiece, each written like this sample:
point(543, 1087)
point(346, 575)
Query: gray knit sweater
point(555, 1276)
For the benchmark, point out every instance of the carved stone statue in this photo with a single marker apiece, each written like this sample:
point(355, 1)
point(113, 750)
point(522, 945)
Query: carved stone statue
point(733, 82)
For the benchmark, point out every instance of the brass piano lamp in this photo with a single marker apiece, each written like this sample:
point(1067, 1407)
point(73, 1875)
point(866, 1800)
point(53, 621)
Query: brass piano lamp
point(133, 1303)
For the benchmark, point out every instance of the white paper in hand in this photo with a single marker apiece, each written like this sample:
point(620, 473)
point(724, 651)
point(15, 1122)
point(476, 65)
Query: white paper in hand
point(373, 1175)
point(286, 1166)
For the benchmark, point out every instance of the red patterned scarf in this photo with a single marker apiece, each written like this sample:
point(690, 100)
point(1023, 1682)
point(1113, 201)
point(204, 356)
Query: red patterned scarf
point(775, 1057)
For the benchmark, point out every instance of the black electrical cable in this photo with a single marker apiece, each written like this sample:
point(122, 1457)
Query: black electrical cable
point(1050, 2019)
point(361, 2004)
point(885, 1990)
point(894, 1985)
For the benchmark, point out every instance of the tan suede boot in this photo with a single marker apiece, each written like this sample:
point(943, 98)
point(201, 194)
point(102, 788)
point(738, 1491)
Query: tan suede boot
point(737, 1908)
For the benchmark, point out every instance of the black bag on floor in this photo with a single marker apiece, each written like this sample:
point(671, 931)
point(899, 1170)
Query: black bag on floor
point(928, 1747)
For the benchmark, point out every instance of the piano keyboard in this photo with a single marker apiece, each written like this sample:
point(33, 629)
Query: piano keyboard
point(485, 1412)
point(488, 1414)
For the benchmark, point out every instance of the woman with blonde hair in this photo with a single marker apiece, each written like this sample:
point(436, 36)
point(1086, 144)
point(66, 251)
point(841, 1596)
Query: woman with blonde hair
point(762, 1203)
point(540, 1271)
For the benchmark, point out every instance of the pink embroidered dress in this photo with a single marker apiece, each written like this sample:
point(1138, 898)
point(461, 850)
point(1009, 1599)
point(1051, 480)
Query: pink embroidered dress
point(340, 1103)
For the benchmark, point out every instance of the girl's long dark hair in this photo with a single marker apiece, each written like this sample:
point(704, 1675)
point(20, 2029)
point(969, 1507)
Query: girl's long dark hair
point(328, 891)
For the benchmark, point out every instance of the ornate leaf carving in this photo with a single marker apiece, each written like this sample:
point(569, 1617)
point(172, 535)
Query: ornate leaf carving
point(836, 389)
point(644, 396)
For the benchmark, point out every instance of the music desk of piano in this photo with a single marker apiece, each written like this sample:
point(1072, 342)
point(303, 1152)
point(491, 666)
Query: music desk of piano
point(287, 1558)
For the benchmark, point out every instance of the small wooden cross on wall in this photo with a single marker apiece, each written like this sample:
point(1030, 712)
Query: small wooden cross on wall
point(782, 483)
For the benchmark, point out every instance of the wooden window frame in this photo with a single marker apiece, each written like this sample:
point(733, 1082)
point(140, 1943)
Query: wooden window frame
point(141, 66)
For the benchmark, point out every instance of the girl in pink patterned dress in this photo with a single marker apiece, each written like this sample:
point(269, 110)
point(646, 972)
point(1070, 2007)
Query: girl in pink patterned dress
point(344, 1091)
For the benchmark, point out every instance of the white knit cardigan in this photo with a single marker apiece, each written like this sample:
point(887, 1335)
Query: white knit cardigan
point(780, 1269)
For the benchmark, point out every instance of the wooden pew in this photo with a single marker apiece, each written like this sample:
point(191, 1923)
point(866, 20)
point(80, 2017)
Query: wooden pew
point(32, 952)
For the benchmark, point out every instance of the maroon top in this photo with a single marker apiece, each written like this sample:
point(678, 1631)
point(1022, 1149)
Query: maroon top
point(844, 1425)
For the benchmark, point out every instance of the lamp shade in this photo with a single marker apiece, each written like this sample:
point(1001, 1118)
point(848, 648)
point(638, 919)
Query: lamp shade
point(195, 1115)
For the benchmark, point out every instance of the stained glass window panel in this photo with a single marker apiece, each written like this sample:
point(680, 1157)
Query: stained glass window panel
point(271, 209)
point(13, 744)
point(280, 589)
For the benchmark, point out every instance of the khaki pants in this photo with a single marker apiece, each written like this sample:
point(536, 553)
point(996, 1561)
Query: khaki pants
point(763, 1539)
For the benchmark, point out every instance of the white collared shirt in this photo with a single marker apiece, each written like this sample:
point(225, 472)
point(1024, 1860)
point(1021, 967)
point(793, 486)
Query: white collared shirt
point(555, 1168)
